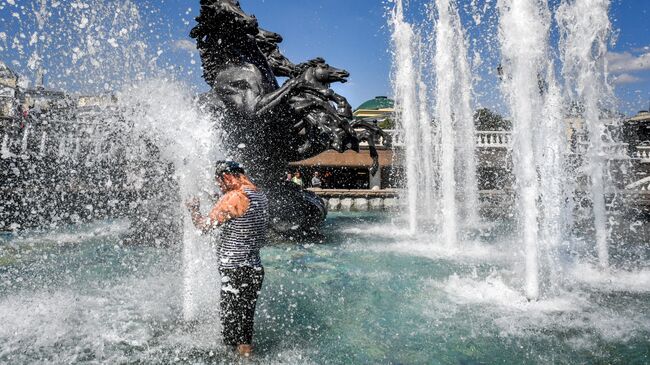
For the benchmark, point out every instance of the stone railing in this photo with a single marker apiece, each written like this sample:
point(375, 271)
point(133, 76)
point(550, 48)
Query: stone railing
point(503, 140)
point(395, 135)
point(484, 139)
point(493, 139)
point(617, 149)
point(641, 185)
point(643, 153)
point(611, 150)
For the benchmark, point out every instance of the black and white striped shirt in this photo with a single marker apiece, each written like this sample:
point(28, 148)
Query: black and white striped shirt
point(242, 238)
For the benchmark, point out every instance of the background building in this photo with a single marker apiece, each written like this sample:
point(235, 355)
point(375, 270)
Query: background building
point(8, 86)
point(380, 108)
point(351, 170)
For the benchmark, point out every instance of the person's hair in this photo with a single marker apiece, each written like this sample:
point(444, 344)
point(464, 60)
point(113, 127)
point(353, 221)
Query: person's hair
point(233, 174)
point(228, 167)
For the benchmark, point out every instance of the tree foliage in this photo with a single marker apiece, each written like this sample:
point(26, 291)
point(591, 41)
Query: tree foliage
point(487, 120)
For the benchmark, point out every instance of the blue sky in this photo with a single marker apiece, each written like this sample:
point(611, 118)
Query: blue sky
point(350, 34)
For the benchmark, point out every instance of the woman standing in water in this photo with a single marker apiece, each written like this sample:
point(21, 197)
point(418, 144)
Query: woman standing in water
point(242, 213)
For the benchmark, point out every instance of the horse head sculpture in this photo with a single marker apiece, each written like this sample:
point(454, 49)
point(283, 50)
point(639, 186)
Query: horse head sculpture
point(268, 43)
point(318, 72)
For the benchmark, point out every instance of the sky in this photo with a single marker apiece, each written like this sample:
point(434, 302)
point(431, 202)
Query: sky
point(89, 45)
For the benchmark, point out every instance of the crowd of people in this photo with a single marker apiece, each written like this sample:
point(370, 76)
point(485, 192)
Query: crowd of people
point(315, 182)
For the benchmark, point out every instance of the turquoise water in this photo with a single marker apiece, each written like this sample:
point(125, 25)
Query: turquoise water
point(368, 294)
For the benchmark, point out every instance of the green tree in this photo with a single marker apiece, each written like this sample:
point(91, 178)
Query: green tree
point(387, 123)
point(487, 120)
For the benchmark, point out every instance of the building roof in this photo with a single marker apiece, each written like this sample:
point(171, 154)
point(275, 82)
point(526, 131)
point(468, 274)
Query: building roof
point(379, 102)
point(6, 72)
point(331, 158)
point(643, 116)
point(380, 107)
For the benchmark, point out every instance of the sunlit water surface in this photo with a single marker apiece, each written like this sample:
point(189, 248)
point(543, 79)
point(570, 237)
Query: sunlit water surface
point(369, 293)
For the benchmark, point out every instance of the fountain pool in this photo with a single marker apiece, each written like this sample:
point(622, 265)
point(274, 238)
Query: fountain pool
point(371, 293)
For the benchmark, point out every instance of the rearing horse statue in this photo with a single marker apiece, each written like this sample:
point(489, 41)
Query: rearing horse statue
point(268, 125)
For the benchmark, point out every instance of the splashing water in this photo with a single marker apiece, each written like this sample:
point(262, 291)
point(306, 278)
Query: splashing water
point(585, 30)
point(440, 151)
point(455, 122)
point(406, 97)
point(542, 162)
point(87, 46)
point(71, 294)
point(524, 28)
point(162, 113)
point(113, 46)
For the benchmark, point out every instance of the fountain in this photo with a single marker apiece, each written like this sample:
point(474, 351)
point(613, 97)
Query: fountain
point(539, 153)
point(407, 100)
point(106, 271)
point(585, 30)
point(186, 137)
point(440, 153)
point(524, 36)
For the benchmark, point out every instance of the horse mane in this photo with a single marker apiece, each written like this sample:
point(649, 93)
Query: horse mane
point(225, 36)
point(303, 67)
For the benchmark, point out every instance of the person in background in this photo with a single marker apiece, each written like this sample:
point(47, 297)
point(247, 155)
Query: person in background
point(297, 179)
point(316, 181)
point(327, 180)
point(242, 213)
point(289, 176)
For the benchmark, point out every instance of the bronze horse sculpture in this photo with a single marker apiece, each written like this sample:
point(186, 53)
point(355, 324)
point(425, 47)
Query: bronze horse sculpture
point(267, 125)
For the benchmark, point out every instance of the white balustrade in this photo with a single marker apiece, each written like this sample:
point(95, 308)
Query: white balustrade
point(393, 133)
point(43, 145)
point(643, 153)
point(619, 150)
point(641, 185)
point(23, 146)
point(396, 135)
point(493, 139)
point(5, 151)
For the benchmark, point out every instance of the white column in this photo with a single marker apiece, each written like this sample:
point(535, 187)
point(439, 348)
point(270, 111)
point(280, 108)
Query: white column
point(375, 180)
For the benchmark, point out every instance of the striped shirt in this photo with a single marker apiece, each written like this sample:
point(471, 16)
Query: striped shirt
point(241, 238)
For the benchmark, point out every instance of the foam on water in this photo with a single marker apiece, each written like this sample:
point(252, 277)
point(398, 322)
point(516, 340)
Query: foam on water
point(385, 230)
point(498, 301)
point(613, 280)
point(495, 291)
point(97, 321)
point(394, 238)
point(63, 234)
point(487, 287)
point(464, 252)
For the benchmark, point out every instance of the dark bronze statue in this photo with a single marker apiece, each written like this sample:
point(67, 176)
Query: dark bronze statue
point(268, 125)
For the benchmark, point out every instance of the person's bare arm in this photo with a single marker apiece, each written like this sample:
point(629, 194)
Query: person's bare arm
point(230, 206)
point(199, 221)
